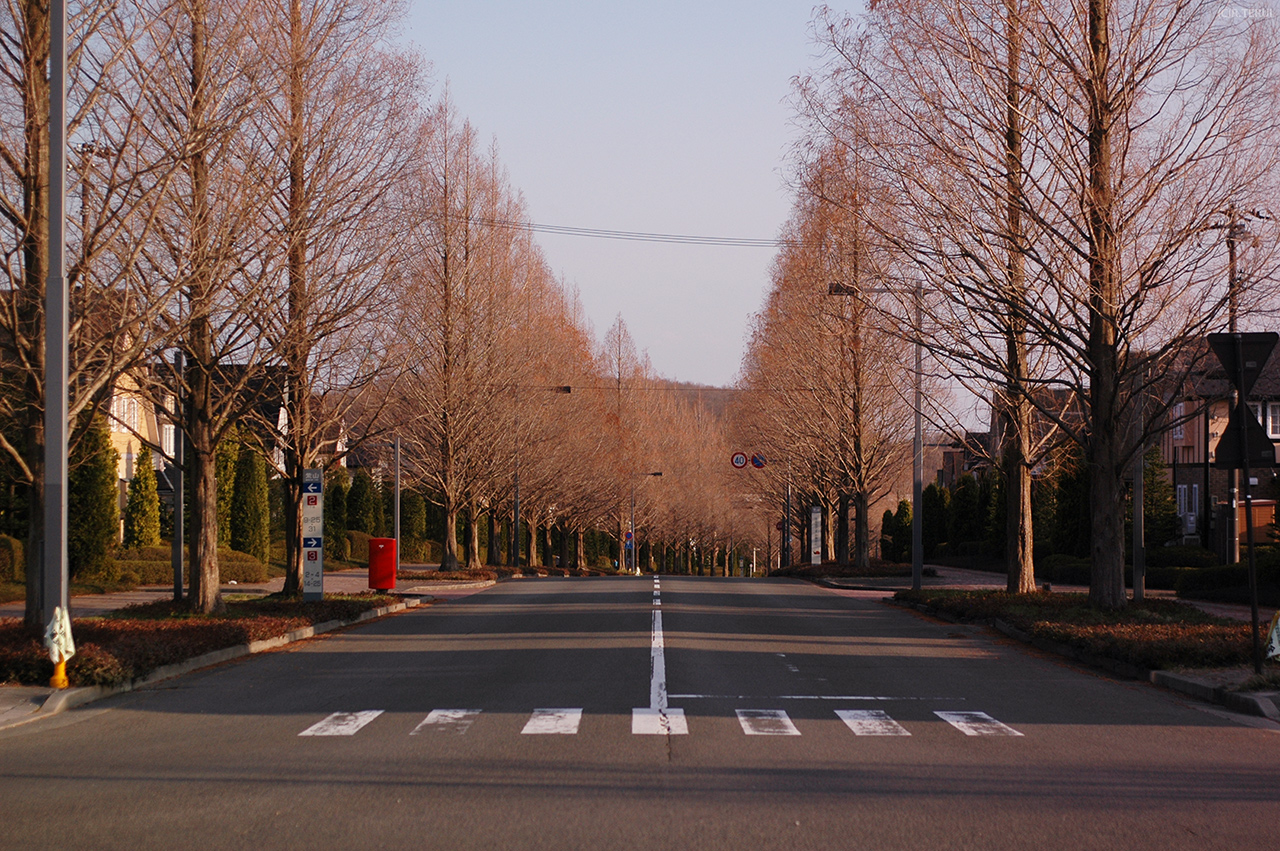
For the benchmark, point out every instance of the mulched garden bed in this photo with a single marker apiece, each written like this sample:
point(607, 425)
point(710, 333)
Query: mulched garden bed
point(1154, 634)
point(136, 640)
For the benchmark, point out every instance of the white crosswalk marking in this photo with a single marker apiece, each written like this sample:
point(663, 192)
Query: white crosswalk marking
point(341, 723)
point(659, 722)
point(871, 722)
point(554, 722)
point(976, 724)
point(766, 722)
point(456, 721)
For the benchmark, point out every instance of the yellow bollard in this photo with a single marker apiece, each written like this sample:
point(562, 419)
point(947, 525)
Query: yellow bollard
point(59, 678)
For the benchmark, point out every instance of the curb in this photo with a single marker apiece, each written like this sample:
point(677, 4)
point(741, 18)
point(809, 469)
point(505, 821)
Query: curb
point(62, 700)
point(1262, 705)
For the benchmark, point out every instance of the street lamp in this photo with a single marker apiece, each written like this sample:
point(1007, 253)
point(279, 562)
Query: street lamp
point(631, 535)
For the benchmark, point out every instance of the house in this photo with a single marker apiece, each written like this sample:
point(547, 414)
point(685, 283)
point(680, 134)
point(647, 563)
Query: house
point(1198, 416)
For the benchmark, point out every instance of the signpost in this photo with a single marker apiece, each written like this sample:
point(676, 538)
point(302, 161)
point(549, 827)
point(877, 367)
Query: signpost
point(739, 460)
point(815, 535)
point(313, 534)
point(1245, 444)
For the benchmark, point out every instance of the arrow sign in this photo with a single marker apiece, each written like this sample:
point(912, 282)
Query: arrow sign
point(1255, 349)
point(312, 543)
point(311, 487)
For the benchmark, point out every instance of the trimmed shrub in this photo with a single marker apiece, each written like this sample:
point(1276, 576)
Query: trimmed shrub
point(142, 511)
point(250, 513)
point(93, 508)
point(228, 455)
point(335, 514)
point(363, 505)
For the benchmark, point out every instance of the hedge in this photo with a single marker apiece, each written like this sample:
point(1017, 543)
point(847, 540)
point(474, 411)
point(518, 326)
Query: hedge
point(154, 566)
point(12, 560)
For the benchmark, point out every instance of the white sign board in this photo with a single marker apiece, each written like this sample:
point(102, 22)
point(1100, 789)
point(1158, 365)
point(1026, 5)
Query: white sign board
point(312, 534)
point(815, 535)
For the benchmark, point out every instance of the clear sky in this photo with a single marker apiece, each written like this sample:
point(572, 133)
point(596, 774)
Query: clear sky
point(661, 116)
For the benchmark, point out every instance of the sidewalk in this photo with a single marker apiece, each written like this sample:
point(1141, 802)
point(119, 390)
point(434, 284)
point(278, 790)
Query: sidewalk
point(1211, 685)
point(19, 704)
point(337, 582)
point(960, 577)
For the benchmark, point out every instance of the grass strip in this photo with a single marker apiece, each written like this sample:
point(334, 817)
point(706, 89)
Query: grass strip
point(1155, 634)
point(134, 641)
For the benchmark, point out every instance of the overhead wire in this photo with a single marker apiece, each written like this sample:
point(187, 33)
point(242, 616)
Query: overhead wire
point(629, 236)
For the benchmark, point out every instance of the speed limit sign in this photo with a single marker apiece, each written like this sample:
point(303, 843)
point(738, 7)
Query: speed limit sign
point(739, 460)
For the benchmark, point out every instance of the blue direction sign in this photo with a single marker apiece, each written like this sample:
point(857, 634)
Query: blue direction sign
point(311, 487)
point(312, 543)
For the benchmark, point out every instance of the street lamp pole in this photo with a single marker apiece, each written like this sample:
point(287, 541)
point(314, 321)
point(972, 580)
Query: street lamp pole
point(631, 539)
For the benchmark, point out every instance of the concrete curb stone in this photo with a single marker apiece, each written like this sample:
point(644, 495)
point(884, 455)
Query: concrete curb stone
point(64, 699)
point(1260, 704)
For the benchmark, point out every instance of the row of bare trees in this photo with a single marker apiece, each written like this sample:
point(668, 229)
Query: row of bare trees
point(268, 202)
point(1035, 191)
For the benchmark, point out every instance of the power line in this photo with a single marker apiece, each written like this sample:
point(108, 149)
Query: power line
point(631, 236)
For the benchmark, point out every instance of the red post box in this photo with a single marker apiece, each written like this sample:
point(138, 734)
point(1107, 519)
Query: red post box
point(382, 563)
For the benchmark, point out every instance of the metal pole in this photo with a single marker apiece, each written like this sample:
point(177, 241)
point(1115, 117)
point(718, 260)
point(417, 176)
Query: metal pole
point(1139, 526)
point(515, 499)
point(396, 450)
point(1233, 476)
point(1241, 412)
point(178, 481)
point(626, 553)
point(917, 454)
point(54, 556)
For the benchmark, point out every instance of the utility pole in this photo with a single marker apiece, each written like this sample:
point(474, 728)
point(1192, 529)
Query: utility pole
point(56, 317)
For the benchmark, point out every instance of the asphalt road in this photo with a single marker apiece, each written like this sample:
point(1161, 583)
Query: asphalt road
point(609, 713)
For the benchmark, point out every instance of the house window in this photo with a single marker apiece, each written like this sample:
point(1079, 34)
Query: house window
point(1177, 419)
point(1256, 407)
point(1273, 420)
point(124, 409)
point(166, 439)
point(1182, 500)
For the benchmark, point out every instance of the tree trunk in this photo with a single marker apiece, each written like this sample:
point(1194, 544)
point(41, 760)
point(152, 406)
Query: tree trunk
point(861, 531)
point(449, 558)
point(532, 532)
point(579, 550)
point(842, 530)
point(1106, 587)
point(471, 541)
point(1019, 542)
point(206, 591)
point(493, 556)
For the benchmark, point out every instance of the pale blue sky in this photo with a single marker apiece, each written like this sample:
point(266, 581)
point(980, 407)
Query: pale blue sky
point(658, 116)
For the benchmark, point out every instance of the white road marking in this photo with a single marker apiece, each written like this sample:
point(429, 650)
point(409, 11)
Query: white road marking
point(976, 724)
point(659, 722)
point(839, 697)
point(871, 722)
point(341, 723)
point(766, 722)
point(553, 722)
point(456, 721)
point(657, 666)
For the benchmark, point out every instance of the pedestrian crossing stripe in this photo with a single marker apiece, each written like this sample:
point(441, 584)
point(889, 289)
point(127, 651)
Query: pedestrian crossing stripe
point(341, 723)
point(662, 722)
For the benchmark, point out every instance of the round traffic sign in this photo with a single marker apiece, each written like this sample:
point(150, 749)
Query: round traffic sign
point(757, 461)
point(739, 460)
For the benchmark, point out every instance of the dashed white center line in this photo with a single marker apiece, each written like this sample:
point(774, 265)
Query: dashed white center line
point(341, 723)
point(553, 722)
point(766, 722)
point(871, 722)
point(456, 721)
point(658, 719)
point(976, 724)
